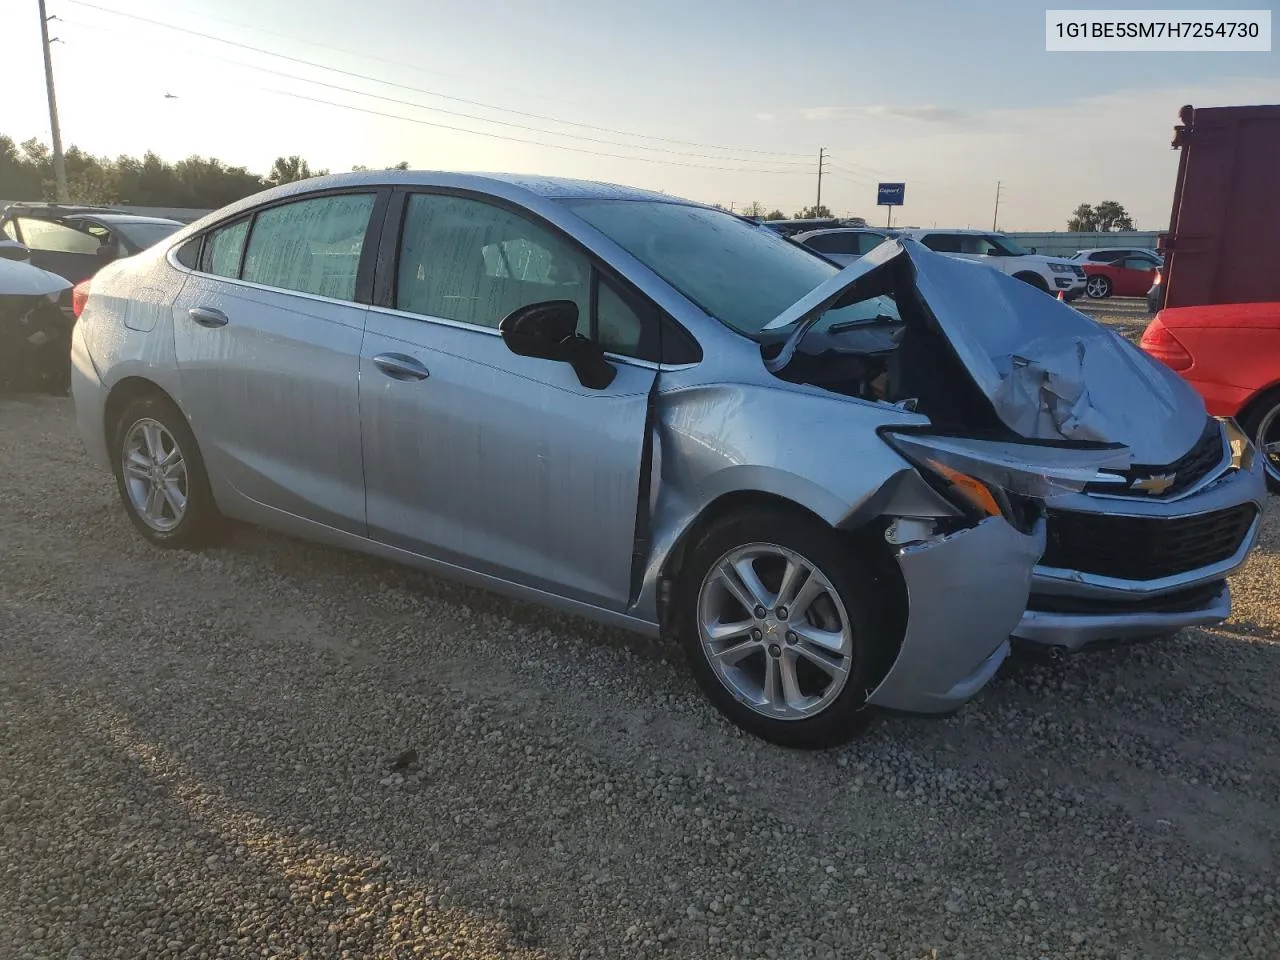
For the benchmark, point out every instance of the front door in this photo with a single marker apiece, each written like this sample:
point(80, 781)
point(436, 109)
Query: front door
point(70, 253)
point(267, 336)
point(476, 456)
point(1134, 276)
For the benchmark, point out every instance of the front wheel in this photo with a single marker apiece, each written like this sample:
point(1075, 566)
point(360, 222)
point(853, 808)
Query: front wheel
point(1262, 424)
point(782, 627)
point(1034, 279)
point(1098, 288)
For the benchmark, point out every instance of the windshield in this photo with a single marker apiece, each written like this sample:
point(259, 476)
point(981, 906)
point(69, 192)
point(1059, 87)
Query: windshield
point(743, 275)
point(142, 235)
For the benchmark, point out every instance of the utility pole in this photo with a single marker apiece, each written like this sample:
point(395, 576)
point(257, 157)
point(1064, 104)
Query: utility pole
point(996, 212)
point(821, 160)
point(59, 165)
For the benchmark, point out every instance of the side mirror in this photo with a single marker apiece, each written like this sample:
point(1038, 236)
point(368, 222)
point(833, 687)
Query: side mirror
point(13, 250)
point(549, 331)
point(106, 253)
point(1032, 249)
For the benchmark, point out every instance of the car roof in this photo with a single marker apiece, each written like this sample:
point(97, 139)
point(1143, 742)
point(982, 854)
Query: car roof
point(121, 218)
point(825, 230)
point(914, 231)
point(1109, 249)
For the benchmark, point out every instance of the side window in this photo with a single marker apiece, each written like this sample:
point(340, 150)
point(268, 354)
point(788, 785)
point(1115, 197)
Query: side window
point(473, 262)
point(833, 243)
point(1138, 263)
point(312, 246)
point(978, 246)
point(1102, 256)
point(942, 242)
point(618, 329)
point(10, 230)
point(222, 250)
point(55, 237)
point(189, 253)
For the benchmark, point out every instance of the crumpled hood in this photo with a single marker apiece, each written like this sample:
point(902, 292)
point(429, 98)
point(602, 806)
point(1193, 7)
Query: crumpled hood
point(22, 279)
point(1050, 372)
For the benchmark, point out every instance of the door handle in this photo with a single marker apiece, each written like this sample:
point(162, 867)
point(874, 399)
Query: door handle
point(397, 366)
point(208, 316)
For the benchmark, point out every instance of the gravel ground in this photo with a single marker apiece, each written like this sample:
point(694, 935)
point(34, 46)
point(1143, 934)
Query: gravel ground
point(274, 749)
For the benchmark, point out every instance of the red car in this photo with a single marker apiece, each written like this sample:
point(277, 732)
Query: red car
point(1129, 276)
point(1230, 353)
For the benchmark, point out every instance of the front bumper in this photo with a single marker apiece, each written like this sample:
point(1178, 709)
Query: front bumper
point(966, 592)
point(1071, 609)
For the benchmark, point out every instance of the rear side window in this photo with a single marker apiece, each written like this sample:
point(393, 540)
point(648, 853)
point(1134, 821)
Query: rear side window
point(189, 253)
point(312, 246)
point(222, 250)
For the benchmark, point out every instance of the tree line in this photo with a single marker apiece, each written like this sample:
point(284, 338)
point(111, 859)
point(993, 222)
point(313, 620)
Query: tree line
point(203, 183)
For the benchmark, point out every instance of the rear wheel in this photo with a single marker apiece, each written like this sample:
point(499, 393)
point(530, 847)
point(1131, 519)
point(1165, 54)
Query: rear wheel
point(1097, 287)
point(1262, 424)
point(782, 627)
point(161, 476)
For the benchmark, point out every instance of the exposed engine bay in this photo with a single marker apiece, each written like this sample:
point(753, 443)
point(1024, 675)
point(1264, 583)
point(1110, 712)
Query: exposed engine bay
point(879, 342)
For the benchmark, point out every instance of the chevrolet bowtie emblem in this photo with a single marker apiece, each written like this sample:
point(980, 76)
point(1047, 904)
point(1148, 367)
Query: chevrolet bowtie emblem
point(1155, 485)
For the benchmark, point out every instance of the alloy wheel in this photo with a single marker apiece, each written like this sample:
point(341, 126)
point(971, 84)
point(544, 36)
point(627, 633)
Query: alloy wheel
point(155, 475)
point(1096, 287)
point(775, 631)
point(1268, 442)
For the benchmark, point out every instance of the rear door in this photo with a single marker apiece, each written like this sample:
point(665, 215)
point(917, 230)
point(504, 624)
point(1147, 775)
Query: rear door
point(267, 333)
point(502, 464)
point(1134, 276)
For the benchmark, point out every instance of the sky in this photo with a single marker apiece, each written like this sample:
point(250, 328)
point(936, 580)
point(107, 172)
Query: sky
point(725, 101)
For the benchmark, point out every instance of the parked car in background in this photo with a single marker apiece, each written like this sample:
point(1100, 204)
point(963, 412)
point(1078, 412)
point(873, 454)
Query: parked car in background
point(75, 242)
point(1110, 254)
point(1130, 276)
point(35, 335)
point(827, 483)
point(1050, 274)
point(1155, 295)
point(789, 228)
point(1231, 355)
point(843, 245)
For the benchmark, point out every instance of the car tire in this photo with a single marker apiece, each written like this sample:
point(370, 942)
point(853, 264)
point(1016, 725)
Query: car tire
point(824, 706)
point(1097, 288)
point(1262, 424)
point(161, 475)
point(1034, 279)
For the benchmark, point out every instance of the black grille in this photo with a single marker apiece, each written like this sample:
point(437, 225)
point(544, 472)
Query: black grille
point(1187, 470)
point(1182, 601)
point(1144, 548)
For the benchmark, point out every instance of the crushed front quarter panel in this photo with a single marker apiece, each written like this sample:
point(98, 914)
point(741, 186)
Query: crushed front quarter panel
point(802, 444)
point(966, 591)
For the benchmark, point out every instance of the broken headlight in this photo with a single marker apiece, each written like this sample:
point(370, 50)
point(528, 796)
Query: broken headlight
point(987, 478)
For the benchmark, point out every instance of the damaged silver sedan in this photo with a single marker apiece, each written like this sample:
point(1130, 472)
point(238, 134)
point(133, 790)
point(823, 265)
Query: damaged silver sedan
point(839, 489)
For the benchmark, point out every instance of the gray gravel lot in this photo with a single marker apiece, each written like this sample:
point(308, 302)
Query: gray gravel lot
point(274, 749)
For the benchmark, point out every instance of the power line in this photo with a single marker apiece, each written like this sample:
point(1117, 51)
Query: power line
point(535, 143)
point(425, 92)
point(368, 56)
point(470, 116)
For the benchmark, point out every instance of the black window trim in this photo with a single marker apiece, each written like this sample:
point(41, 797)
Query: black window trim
point(365, 270)
point(676, 346)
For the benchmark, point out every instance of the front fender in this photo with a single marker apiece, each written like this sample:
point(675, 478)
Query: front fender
point(815, 449)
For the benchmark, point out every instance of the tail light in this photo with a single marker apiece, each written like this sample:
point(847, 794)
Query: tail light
point(79, 294)
point(1159, 342)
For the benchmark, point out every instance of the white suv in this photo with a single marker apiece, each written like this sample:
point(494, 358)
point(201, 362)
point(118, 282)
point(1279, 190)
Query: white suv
point(1051, 274)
